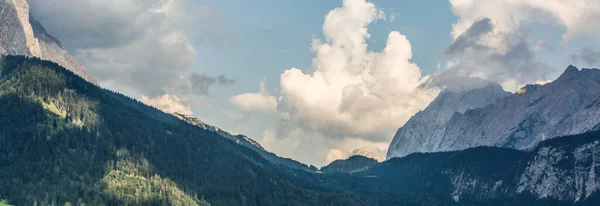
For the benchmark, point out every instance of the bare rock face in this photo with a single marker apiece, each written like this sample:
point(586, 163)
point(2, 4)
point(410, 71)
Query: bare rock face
point(563, 107)
point(567, 106)
point(21, 34)
point(15, 37)
point(424, 131)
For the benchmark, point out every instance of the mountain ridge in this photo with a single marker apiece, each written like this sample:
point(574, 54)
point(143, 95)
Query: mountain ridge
point(562, 107)
point(352, 164)
point(245, 141)
point(21, 34)
point(558, 171)
point(430, 122)
point(521, 121)
point(63, 139)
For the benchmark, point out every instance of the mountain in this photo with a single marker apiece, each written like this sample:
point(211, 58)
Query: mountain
point(569, 105)
point(65, 140)
point(355, 163)
point(559, 171)
point(423, 131)
point(249, 143)
point(240, 139)
point(563, 107)
point(21, 34)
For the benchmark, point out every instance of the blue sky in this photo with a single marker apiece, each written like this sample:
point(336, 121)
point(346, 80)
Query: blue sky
point(324, 97)
point(266, 37)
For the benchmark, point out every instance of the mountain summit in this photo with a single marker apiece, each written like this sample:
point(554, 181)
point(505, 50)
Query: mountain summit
point(423, 131)
point(569, 105)
point(21, 34)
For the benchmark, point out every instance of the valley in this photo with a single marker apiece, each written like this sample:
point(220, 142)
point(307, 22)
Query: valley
point(359, 102)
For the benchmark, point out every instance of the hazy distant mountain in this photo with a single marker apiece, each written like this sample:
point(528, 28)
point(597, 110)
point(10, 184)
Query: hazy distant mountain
point(21, 34)
point(423, 132)
point(569, 105)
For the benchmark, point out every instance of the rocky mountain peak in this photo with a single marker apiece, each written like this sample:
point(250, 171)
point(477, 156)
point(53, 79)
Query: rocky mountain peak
point(429, 123)
point(16, 37)
point(21, 34)
point(569, 74)
point(563, 107)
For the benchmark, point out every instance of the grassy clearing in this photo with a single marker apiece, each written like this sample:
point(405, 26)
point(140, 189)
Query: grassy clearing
point(4, 203)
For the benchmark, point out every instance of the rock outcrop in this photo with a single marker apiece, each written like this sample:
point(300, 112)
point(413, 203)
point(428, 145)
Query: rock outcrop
point(569, 105)
point(21, 34)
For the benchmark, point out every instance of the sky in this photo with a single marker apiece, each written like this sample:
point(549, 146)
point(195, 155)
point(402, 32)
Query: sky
point(318, 80)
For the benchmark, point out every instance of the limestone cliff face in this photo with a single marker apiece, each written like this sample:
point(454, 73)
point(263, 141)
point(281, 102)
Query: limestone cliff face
point(424, 131)
point(16, 36)
point(567, 106)
point(21, 34)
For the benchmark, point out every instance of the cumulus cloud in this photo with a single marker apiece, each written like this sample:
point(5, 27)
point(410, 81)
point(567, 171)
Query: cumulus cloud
point(352, 91)
point(261, 102)
point(486, 53)
point(167, 103)
point(143, 45)
point(573, 15)
point(352, 100)
point(492, 38)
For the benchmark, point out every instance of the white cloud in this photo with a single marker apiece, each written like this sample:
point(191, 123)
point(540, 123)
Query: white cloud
point(353, 99)
point(261, 102)
point(167, 103)
point(486, 52)
point(286, 145)
point(334, 154)
point(574, 15)
point(352, 146)
point(352, 91)
point(288, 140)
point(392, 17)
point(147, 46)
point(506, 53)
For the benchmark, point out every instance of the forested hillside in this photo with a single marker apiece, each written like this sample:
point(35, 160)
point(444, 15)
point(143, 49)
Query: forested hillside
point(66, 141)
point(560, 171)
point(353, 164)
